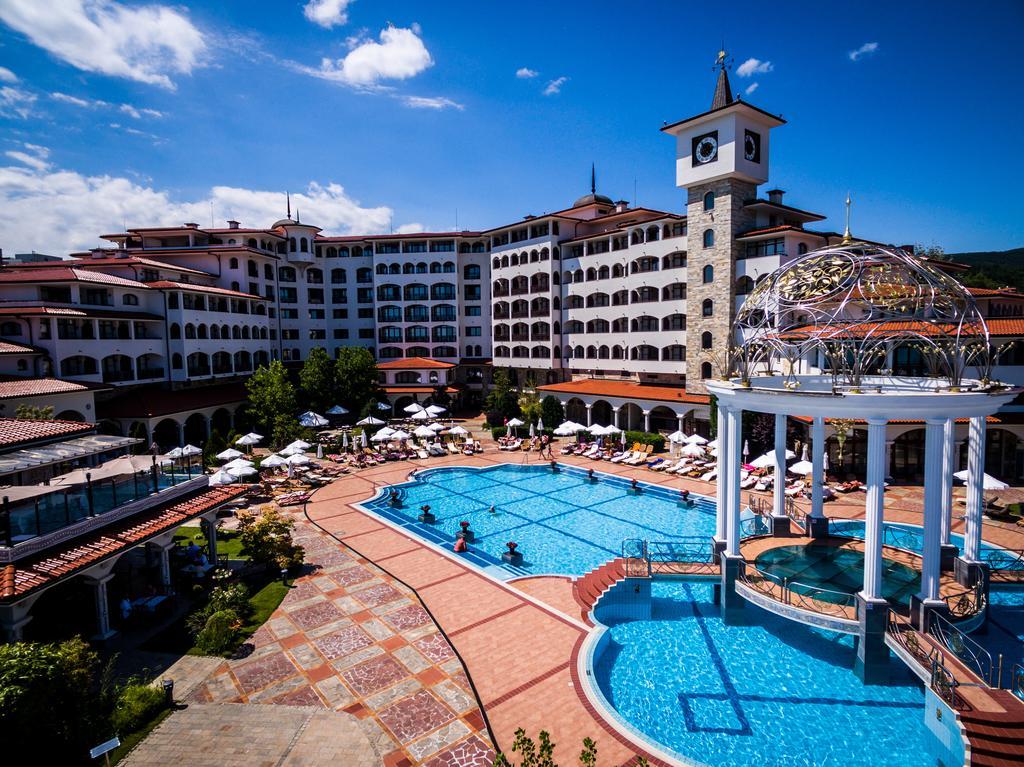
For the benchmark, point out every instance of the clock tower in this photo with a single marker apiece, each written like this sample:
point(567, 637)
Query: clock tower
point(721, 157)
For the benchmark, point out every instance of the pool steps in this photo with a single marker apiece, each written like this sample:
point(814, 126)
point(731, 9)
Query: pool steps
point(996, 738)
point(591, 586)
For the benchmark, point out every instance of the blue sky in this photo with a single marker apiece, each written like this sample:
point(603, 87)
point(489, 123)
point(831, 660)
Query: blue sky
point(373, 127)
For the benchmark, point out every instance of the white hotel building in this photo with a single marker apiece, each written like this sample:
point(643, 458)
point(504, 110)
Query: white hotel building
point(612, 309)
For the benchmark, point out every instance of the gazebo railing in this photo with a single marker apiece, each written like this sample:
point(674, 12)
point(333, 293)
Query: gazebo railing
point(1017, 680)
point(819, 600)
point(685, 555)
point(634, 552)
point(1003, 560)
point(754, 526)
point(970, 653)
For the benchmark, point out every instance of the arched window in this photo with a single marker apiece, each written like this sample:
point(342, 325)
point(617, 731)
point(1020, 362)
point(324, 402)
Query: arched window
point(176, 361)
point(233, 263)
point(291, 244)
point(175, 330)
point(708, 274)
point(705, 370)
point(744, 285)
point(253, 269)
point(304, 245)
point(709, 201)
point(268, 272)
point(706, 340)
point(801, 248)
point(707, 308)
point(709, 238)
point(128, 299)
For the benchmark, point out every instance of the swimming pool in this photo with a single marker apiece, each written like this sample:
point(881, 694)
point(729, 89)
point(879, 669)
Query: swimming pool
point(563, 523)
point(773, 693)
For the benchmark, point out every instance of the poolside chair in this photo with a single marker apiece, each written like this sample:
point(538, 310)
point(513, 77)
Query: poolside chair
point(453, 448)
point(591, 452)
point(709, 476)
point(795, 489)
point(653, 465)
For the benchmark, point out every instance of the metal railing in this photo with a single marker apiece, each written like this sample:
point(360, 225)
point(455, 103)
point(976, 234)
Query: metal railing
point(970, 653)
point(754, 526)
point(944, 683)
point(798, 594)
point(686, 555)
point(1017, 680)
point(634, 552)
point(1003, 560)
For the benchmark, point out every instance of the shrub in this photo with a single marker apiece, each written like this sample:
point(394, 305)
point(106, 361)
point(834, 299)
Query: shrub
point(495, 418)
point(219, 634)
point(645, 438)
point(522, 431)
point(551, 411)
point(267, 538)
point(224, 596)
point(136, 705)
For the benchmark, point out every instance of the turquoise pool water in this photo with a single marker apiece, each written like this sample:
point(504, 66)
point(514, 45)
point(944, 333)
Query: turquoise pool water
point(837, 570)
point(563, 523)
point(773, 694)
point(910, 538)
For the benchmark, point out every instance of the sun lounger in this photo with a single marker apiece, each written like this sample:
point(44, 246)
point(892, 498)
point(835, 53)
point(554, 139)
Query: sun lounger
point(795, 489)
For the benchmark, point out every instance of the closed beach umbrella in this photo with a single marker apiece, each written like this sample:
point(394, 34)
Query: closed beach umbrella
point(344, 440)
point(369, 421)
point(623, 439)
point(540, 424)
point(365, 439)
point(319, 451)
point(746, 448)
point(230, 453)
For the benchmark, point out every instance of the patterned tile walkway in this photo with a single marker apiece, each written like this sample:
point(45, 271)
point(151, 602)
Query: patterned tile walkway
point(349, 638)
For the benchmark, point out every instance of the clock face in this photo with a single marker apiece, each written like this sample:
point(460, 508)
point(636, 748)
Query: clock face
point(705, 148)
point(752, 146)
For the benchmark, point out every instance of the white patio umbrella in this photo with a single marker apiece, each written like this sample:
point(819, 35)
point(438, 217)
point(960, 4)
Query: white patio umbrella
point(693, 450)
point(415, 407)
point(385, 431)
point(566, 429)
point(695, 439)
point(533, 430)
point(423, 431)
point(191, 450)
point(238, 463)
point(222, 477)
point(319, 451)
point(292, 450)
point(988, 482)
point(512, 424)
point(252, 438)
point(382, 436)
point(300, 444)
point(370, 421)
point(273, 460)
point(312, 420)
point(746, 448)
point(801, 468)
point(768, 459)
point(805, 454)
point(383, 406)
point(421, 415)
point(612, 429)
point(242, 471)
point(174, 454)
point(713, 444)
point(436, 409)
point(401, 435)
point(598, 430)
point(623, 439)
point(458, 430)
point(824, 461)
point(230, 453)
point(436, 427)
point(677, 437)
point(337, 410)
point(344, 440)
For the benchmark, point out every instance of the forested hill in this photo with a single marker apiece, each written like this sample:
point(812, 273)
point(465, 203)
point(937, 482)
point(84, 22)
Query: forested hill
point(991, 268)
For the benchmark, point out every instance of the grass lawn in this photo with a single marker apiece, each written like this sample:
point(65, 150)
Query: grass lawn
point(228, 542)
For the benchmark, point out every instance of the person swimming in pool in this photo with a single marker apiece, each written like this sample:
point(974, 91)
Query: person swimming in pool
point(492, 509)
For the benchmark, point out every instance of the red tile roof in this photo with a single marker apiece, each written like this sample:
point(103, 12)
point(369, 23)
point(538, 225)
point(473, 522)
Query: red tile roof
point(15, 431)
point(64, 274)
point(21, 578)
point(91, 262)
point(151, 403)
point(417, 389)
point(168, 284)
point(783, 228)
point(991, 293)
point(413, 363)
point(998, 326)
point(7, 347)
point(626, 390)
point(11, 387)
point(18, 310)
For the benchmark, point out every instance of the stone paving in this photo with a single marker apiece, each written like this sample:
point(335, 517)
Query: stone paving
point(349, 638)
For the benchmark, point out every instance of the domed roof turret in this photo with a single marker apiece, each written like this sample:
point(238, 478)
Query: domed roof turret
point(593, 198)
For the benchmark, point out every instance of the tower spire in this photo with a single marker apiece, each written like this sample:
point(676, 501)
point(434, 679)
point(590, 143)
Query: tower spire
point(847, 237)
point(288, 198)
point(723, 91)
point(593, 179)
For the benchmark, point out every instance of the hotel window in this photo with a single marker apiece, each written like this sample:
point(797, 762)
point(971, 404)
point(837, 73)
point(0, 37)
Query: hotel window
point(389, 314)
point(473, 331)
point(705, 370)
point(172, 300)
point(286, 274)
point(288, 296)
point(773, 247)
point(341, 333)
point(340, 314)
point(472, 292)
point(339, 295)
point(801, 248)
point(471, 272)
point(709, 238)
point(388, 247)
point(366, 333)
point(150, 275)
point(706, 340)
point(338, 276)
point(289, 334)
point(707, 308)
point(443, 291)
point(472, 311)
point(317, 334)
point(289, 314)
point(316, 314)
point(445, 246)
point(708, 274)
point(709, 201)
point(679, 230)
point(316, 295)
point(365, 314)
point(414, 247)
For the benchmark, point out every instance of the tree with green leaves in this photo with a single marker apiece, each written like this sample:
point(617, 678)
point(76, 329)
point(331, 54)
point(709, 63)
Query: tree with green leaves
point(33, 412)
point(529, 406)
point(355, 378)
point(503, 398)
point(541, 753)
point(440, 396)
point(551, 411)
point(271, 398)
point(317, 381)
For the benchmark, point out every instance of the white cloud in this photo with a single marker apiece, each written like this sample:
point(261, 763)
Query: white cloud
point(137, 112)
point(411, 228)
point(327, 13)
point(145, 43)
point(86, 103)
point(57, 211)
point(7, 76)
point(525, 73)
point(431, 102)
point(555, 86)
point(399, 55)
point(35, 156)
point(751, 88)
point(753, 66)
point(865, 50)
point(15, 102)
point(64, 98)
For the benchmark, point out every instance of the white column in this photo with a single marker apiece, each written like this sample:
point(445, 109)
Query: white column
point(888, 456)
point(647, 420)
point(590, 413)
point(615, 417)
point(948, 464)
point(724, 472)
point(103, 630)
point(975, 485)
point(679, 422)
point(818, 466)
point(732, 500)
point(873, 509)
point(779, 486)
point(934, 441)
point(211, 540)
point(164, 553)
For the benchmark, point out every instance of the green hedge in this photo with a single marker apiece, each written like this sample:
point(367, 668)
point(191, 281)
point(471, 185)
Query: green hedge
point(136, 705)
point(522, 431)
point(645, 438)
